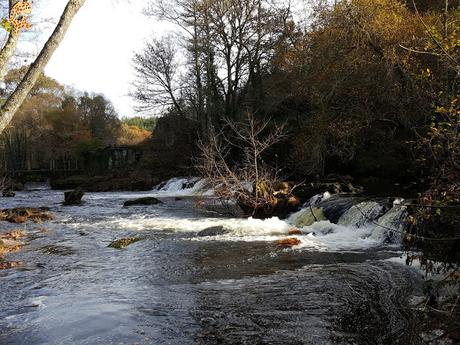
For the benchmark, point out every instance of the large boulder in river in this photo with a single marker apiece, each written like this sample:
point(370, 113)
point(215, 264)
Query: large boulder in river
point(147, 201)
point(334, 207)
point(73, 197)
point(309, 216)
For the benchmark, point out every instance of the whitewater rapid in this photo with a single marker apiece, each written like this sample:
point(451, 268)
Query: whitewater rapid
point(363, 226)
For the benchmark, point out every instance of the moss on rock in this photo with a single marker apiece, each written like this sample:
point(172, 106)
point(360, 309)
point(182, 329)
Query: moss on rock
point(124, 242)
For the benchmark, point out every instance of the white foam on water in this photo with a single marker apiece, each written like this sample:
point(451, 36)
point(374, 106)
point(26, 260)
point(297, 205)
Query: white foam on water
point(237, 227)
point(338, 237)
point(321, 235)
point(357, 229)
point(38, 302)
point(184, 186)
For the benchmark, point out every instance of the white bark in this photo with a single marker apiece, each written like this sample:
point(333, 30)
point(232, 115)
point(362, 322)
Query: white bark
point(8, 49)
point(7, 52)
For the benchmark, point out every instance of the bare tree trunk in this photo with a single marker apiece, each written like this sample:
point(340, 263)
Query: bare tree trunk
point(8, 49)
point(15, 100)
point(446, 19)
point(7, 52)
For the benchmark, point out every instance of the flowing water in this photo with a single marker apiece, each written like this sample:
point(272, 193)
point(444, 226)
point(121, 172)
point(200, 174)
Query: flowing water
point(344, 284)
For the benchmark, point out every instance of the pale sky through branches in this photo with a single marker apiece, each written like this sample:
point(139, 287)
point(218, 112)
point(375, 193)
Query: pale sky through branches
point(96, 54)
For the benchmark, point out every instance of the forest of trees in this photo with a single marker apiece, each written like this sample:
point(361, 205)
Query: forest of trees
point(55, 127)
point(347, 78)
point(367, 88)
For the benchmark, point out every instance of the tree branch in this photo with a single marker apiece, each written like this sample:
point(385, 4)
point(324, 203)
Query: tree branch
point(15, 100)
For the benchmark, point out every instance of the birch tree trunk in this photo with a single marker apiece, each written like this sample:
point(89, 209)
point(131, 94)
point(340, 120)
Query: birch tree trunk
point(18, 96)
point(7, 52)
point(8, 49)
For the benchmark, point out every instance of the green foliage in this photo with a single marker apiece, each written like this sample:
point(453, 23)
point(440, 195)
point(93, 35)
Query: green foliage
point(6, 25)
point(146, 123)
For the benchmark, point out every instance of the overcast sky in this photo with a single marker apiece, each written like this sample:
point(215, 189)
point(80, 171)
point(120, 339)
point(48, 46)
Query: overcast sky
point(97, 51)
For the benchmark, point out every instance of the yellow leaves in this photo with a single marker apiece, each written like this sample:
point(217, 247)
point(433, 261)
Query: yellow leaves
point(426, 73)
point(440, 110)
point(6, 25)
point(408, 239)
point(454, 277)
point(411, 220)
point(132, 135)
point(9, 265)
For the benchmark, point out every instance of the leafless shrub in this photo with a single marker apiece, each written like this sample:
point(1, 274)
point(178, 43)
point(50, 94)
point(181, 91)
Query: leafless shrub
point(244, 176)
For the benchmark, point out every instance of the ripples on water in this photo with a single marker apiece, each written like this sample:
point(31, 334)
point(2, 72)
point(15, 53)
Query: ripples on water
point(176, 288)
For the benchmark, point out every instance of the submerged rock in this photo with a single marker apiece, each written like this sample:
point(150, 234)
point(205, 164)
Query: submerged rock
point(288, 242)
point(21, 215)
point(213, 231)
point(310, 216)
point(57, 250)
point(142, 202)
point(9, 246)
point(5, 265)
point(13, 235)
point(124, 242)
point(73, 197)
point(295, 232)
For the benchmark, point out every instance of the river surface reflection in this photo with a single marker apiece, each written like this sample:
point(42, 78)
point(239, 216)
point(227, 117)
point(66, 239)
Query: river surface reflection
point(176, 288)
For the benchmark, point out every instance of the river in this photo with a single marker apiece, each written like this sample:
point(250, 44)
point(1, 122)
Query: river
point(346, 285)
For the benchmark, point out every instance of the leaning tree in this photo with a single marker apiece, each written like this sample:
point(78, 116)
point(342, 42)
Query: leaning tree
point(14, 24)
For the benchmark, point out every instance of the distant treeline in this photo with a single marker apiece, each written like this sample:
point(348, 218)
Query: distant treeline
point(56, 129)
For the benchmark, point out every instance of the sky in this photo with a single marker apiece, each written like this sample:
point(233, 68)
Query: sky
point(96, 54)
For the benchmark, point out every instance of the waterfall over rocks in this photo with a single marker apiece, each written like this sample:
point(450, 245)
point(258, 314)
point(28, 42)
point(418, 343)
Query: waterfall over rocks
point(335, 221)
point(342, 218)
point(184, 186)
